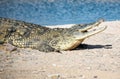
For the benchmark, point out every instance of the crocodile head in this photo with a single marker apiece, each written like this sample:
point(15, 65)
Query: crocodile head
point(75, 35)
point(87, 30)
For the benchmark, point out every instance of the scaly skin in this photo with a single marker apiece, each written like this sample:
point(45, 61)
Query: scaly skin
point(28, 35)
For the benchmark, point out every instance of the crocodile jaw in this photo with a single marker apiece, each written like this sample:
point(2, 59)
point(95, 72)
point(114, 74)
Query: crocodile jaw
point(79, 38)
point(87, 33)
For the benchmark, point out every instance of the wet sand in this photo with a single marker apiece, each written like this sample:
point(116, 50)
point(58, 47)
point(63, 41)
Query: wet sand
point(97, 58)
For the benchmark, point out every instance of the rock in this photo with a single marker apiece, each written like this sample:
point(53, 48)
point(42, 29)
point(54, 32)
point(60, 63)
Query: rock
point(95, 76)
point(53, 76)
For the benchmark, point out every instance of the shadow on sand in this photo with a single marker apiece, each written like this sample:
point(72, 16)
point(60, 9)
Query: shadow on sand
point(87, 46)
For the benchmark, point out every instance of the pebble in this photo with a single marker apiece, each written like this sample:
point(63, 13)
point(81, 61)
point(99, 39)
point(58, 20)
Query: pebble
point(53, 76)
point(95, 77)
point(54, 65)
point(1, 70)
point(82, 76)
point(88, 68)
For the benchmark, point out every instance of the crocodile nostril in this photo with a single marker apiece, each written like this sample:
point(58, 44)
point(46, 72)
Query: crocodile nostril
point(85, 31)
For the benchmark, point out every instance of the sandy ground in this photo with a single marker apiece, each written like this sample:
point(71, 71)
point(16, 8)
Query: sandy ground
point(97, 58)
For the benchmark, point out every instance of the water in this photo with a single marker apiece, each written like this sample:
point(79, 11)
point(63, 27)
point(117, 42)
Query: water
point(55, 12)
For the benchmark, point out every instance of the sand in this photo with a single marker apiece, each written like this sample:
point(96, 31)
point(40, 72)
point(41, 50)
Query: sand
point(97, 58)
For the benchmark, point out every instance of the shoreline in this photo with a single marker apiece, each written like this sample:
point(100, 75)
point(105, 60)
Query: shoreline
point(69, 25)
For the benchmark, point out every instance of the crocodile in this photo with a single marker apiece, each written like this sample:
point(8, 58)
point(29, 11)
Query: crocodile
point(28, 35)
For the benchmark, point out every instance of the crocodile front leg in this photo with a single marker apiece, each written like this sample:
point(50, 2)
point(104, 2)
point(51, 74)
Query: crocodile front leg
point(47, 48)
